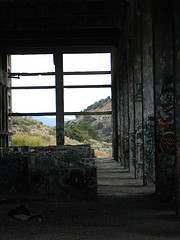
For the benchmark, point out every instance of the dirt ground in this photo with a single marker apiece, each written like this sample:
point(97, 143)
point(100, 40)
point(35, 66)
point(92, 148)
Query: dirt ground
point(124, 210)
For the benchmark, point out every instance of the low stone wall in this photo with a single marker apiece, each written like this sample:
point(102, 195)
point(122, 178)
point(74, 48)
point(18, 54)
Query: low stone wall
point(67, 171)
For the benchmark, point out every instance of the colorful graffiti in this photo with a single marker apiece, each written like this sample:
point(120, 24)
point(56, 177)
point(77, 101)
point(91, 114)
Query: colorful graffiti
point(166, 139)
point(149, 151)
point(139, 151)
point(165, 109)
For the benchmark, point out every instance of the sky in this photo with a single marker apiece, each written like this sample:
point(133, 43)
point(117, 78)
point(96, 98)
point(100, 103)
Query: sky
point(75, 100)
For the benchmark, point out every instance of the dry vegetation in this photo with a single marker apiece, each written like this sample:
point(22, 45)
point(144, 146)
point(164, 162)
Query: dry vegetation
point(29, 132)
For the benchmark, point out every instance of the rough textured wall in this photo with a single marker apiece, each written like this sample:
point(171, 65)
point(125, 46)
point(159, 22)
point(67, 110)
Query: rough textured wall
point(176, 33)
point(148, 93)
point(131, 107)
point(138, 97)
point(66, 172)
point(164, 98)
point(125, 94)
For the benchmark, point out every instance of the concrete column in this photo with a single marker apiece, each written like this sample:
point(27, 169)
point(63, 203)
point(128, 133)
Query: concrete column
point(131, 105)
point(148, 93)
point(121, 106)
point(126, 109)
point(164, 98)
point(58, 60)
point(115, 116)
point(0, 114)
point(176, 44)
point(9, 102)
point(138, 96)
point(121, 113)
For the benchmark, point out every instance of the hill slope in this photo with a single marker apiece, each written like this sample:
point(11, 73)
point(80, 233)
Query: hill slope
point(102, 124)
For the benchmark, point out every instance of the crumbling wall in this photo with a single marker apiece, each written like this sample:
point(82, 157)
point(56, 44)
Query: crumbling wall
point(67, 171)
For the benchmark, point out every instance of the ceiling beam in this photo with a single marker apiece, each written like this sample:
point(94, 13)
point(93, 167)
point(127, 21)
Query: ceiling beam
point(55, 23)
point(60, 34)
point(53, 8)
point(52, 43)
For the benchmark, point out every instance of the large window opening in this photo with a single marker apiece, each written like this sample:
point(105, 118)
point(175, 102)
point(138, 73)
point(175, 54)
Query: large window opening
point(86, 95)
point(33, 93)
point(87, 91)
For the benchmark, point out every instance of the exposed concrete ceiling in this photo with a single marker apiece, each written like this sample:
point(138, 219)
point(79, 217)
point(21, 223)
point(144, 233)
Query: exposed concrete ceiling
point(66, 23)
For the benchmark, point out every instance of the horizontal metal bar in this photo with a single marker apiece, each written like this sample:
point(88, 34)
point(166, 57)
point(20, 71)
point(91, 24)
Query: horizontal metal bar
point(34, 87)
point(64, 73)
point(88, 86)
point(32, 114)
point(53, 87)
point(87, 73)
point(65, 113)
point(32, 74)
point(88, 113)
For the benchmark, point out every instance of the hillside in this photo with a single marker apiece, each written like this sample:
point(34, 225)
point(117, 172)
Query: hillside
point(102, 124)
point(29, 132)
point(32, 129)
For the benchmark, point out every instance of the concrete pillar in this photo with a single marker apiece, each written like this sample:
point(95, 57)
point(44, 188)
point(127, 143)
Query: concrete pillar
point(0, 115)
point(148, 93)
point(58, 60)
point(138, 96)
point(121, 113)
point(131, 105)
point(176, 44)
point(125, 109)
point(4, 103)
point(164, 98)
point(114, 107)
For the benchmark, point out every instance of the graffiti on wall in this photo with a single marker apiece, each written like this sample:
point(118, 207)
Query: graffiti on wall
point(139, 151)
point(166, 137)
point(149, 150)
point(61, 182)
point(132, 148)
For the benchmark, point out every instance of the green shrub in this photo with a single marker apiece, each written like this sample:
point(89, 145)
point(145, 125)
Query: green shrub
point(87, 119)
point(88, 130)
point(74, 133)
point(26, 140)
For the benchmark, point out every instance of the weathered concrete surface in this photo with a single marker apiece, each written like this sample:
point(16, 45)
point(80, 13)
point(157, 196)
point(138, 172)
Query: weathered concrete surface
point(116, 180)
point(59, 171)
point(148, 93)
point(164, 98)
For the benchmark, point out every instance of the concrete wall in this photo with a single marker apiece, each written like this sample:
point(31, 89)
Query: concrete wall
point(164, 98)
point(147, 58)
point(68, 172)
point(176, 69)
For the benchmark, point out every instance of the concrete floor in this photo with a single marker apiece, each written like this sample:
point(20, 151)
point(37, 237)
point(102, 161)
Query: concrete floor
point(124, 210)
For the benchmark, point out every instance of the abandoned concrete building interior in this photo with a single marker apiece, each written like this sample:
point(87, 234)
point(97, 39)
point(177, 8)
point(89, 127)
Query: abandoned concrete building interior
point(135, 195)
